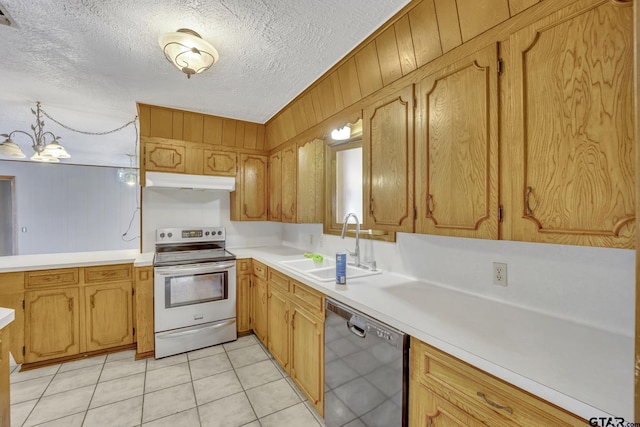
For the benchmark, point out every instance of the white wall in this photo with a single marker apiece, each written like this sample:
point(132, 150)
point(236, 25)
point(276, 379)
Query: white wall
point(197, 208)
point(594, 286)
point(71, 208)
point(6, 218)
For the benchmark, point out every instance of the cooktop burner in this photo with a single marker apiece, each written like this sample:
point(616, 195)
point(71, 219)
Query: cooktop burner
point(178, 246)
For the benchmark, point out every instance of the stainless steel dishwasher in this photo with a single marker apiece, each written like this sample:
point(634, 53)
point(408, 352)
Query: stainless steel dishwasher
point(366, 370)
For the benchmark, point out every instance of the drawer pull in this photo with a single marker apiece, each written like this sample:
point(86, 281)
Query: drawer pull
point(494, 404)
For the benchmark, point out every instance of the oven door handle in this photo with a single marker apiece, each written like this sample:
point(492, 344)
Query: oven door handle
point(194, 268)
point(194, 330)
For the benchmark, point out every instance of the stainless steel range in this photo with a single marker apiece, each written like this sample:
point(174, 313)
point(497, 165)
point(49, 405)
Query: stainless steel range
point(194, 290)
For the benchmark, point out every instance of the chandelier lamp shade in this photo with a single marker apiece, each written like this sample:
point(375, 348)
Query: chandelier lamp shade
point(45, 144)
point(189, 52)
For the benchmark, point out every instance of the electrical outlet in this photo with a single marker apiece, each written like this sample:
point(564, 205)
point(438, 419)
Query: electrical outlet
point(500, 273)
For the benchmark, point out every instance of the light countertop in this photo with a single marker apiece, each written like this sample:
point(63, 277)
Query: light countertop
point(566, 363)
point(7, 315)
point(64, 260)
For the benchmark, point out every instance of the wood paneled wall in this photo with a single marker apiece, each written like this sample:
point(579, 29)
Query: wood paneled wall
point(418, 34)
point(200, 128)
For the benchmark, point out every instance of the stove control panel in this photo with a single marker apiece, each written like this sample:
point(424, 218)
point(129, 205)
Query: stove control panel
point(182, 235)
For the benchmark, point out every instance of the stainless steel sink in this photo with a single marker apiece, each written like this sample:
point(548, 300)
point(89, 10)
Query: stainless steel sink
point(325, 270)
point(306, 264)
point(329, 273)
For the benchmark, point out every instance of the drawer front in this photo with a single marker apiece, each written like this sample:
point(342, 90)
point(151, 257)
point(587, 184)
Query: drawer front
point(492, 398)
point(243, 266)
point(57, 277)
point(308, 298)
point(279, 280)
point(259, 269)
point(108, 273)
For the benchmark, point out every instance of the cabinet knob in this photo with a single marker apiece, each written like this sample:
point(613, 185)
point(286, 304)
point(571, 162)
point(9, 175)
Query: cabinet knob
point(430, 206)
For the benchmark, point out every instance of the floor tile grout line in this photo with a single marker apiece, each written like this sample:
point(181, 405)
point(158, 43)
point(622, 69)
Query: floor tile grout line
point(195, 396)
point(144, 389)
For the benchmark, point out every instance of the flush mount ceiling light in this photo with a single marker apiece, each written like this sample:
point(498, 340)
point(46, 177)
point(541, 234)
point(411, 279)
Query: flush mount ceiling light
point(348, 131)
point(45, 144)
point(189, 52)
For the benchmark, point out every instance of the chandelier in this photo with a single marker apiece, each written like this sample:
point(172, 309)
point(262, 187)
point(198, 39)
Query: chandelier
point(188, 51)
point(45, 144)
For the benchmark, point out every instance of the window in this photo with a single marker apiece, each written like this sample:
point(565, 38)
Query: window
point(343, 184)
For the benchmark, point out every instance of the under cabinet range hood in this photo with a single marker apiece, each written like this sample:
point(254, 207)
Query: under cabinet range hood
point(192, 182)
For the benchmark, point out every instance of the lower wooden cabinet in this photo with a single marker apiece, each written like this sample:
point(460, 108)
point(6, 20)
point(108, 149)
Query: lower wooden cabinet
point(74, 310)
point(278, 326)
point(307, 354)
point(260, 323)
point(5, 401)
point(52, 323)
point(244, 296)
point(109, 315)
point(144, 311)
point(445, 391)
point(12, 296)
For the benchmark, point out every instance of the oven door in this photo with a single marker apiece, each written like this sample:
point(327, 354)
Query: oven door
point(188, 295)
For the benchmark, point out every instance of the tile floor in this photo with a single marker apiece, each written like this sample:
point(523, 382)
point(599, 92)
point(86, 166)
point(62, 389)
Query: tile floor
point(232, 385)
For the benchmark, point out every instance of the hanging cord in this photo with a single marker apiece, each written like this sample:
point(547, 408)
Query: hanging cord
point(135, 125)
point(94, 133)
point(137, 209)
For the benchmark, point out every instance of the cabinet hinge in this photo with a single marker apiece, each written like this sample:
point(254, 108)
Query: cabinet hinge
point(500, 213)
point(415, 213)
point(24, 350)
point(134, 331)
point(415, 102)
point(23, 304)
point(133, 292)
point(500, 67)
point(144, 156)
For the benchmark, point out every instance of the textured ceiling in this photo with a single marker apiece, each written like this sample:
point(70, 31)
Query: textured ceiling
point(90, 61)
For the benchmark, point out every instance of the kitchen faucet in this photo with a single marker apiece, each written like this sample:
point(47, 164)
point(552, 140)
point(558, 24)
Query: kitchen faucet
point(356, 254)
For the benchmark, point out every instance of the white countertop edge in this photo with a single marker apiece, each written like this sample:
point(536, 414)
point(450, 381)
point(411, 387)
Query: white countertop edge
point(562, 400)
point(7, 315)
point(66, 260)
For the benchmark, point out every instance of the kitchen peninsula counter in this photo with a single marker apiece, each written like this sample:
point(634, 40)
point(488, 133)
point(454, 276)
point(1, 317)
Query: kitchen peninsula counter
point(64, 260)
point(582, 369)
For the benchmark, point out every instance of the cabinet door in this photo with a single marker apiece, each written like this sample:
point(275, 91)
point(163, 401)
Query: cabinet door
point(243, 316)
point(279, 327)
point(5, 401)
point(219, 163)
point(427, 409)
point(12, 296)
point(260, 309)
point(387, 149)
point(249, 201)
point(52, 324)
point(289, 186)
point(275, 187)
point(310, 182)
point(144, 310)
point(109, 316)
point(307, 355)
point(457, 149)
point(572, 159)
point(164, 157)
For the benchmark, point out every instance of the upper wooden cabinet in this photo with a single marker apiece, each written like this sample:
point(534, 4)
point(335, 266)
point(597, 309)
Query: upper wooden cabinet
point(249, 201)
point(388, 150)
point(160, 157)
point(570, 170)
point(289, 186)
point(275, 187)
point(310, 181)
point(457, 148)
point(219, 163)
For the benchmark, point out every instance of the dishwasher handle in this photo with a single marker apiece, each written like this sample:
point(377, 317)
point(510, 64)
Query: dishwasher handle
point(356, 330)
